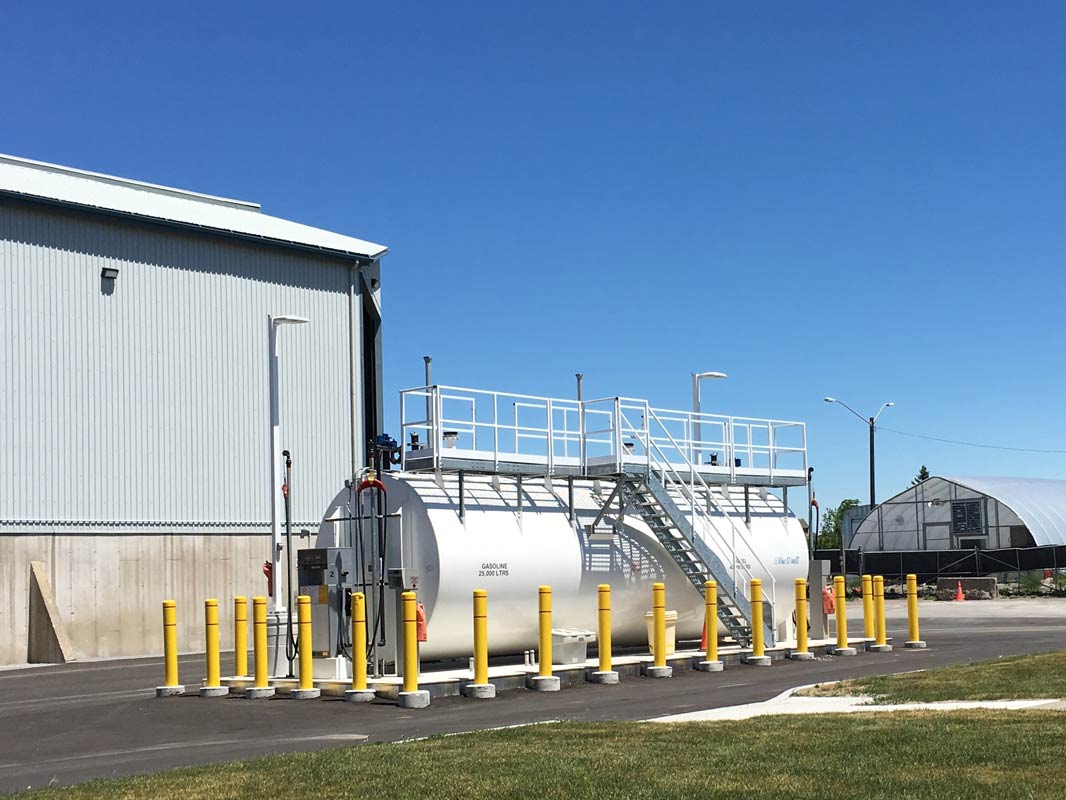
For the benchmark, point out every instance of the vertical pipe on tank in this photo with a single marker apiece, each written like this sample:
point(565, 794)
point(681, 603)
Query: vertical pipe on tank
point(462, 497)
point(570, 495)
point(429, 400)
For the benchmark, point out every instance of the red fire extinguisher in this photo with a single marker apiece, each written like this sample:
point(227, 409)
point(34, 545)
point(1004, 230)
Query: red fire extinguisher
point(268, 570)
point(420, 623)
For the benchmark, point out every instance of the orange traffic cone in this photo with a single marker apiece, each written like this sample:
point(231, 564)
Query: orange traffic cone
point(959, 596)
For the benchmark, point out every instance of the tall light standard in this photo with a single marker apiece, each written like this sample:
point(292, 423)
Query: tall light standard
point(872, 422)
point(696, 378)
point(277, 501)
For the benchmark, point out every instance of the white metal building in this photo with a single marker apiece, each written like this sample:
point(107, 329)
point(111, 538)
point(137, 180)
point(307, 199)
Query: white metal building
point(946, 513)
point(134, 415)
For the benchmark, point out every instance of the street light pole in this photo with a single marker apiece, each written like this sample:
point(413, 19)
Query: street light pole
point(872, 423)
point(872, 480)
point(277, 500)
point(696, 378)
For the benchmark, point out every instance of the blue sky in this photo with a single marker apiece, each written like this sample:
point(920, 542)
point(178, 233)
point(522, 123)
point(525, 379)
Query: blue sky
point(864, 200)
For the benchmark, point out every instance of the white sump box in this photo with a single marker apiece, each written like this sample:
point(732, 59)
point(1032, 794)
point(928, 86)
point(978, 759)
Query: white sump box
point(570, 645)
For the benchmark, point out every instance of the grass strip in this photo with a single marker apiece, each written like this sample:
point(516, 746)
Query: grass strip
point(1030, 677)
point(915, 755)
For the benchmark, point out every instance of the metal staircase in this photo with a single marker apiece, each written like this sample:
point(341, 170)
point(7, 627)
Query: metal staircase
point(652, 501)
point(680, 508)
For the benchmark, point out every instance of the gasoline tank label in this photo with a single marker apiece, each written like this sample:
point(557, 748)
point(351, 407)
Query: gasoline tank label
point(493, 570)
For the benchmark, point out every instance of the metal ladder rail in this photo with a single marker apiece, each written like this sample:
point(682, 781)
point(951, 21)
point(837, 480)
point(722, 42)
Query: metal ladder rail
point(663, 465)
point(696, 560)
point(690, 488)
point(707, 529)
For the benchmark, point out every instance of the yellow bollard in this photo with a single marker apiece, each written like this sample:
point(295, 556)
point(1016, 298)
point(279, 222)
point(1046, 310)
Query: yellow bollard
point(880, 644)
point(839, 592)
point(658, 610)
point(544, 681)
point(758, 655)
point(411, 696)
point(801, 653)
point(240, 637)
point(604, 673)
point(544, 609)
point(213, 682)
point(710, 628)
point(481, 637)
point(480, 688)
point(868, 607)
point(658, 669)
point(359, 693)
point(306, 689)
point(914, 640)
point(261, 687)
point(170, 686)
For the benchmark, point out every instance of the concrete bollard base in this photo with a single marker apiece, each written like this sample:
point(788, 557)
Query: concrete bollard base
point(259, 692)
point(605, 678)
point(169, 691)
point(658, 672)
point(479, 691)
point(801, 656)
point(845, 651)
point(359, 695)
point(415, 699)
point(879, 648)
point(214, 691)
point(917, 644)
point(710, 666)
point(305, 694)
point(757, 661)
point(543, 683)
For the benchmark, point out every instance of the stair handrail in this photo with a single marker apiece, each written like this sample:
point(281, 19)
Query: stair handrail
point(663, 463)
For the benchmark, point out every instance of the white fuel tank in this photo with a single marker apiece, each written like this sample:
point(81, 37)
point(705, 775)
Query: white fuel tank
point(510, 548)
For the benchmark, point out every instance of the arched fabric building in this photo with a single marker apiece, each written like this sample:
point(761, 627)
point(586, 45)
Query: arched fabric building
point(950, 513)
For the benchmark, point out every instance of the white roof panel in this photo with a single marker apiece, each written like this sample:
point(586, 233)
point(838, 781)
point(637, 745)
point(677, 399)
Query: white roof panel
point(1039, 502)
point(92, 190)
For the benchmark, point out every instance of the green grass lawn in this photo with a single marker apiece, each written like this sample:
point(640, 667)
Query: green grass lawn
point(918, 755)
point(1013, 678)
point(975, 754)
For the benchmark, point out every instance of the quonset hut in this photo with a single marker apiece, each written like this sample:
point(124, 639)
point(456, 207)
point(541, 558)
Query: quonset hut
point(958, 513)
point(135, 325)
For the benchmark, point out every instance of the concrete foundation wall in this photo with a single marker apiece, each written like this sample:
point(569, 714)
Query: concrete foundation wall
point(109, 588)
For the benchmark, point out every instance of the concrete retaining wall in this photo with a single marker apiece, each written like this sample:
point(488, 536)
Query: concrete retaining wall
point(109, 588)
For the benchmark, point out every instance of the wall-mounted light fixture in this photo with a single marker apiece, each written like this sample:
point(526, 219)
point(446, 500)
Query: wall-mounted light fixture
point(109, 273)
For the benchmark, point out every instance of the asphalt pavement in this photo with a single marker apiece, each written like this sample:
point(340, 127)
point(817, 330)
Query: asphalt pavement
point(67, 724)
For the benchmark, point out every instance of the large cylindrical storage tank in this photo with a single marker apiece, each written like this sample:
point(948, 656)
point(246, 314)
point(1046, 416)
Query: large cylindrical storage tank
point(510, 548)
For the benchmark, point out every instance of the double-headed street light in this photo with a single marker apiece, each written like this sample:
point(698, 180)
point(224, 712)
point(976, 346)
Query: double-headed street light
point(872, 422)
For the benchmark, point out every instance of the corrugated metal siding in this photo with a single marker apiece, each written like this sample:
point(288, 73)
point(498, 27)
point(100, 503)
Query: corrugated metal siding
point(151, 405)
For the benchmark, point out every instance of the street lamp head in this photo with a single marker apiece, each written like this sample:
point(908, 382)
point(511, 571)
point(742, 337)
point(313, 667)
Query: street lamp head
point(709, 375)
point(288, 319)
point(830, 399)
point(889, 405)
